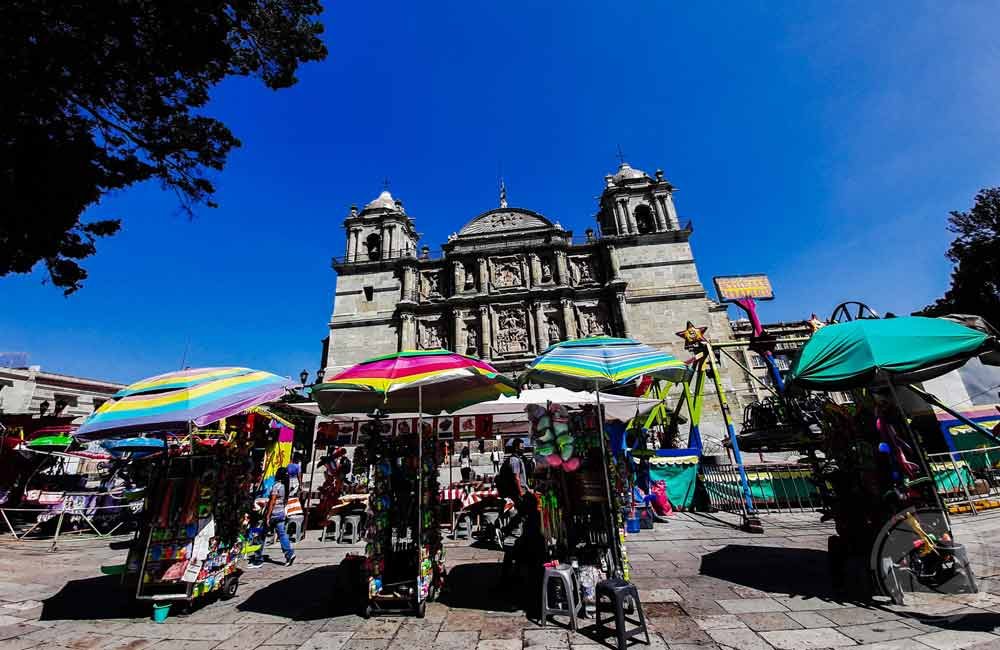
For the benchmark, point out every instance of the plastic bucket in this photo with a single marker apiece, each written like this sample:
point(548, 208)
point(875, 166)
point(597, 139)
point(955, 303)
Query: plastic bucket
point(632, 525)
point(160, 612)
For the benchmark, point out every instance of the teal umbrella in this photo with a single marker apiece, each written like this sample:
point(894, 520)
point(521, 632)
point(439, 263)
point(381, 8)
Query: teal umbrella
point(897, 350)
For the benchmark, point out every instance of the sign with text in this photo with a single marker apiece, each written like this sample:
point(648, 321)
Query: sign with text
point(731, 288)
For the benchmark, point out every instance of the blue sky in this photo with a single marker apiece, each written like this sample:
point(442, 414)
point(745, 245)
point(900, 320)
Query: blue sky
point(822, 143)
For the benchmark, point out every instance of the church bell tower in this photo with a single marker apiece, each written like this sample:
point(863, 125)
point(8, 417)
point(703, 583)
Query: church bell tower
point(635, 204)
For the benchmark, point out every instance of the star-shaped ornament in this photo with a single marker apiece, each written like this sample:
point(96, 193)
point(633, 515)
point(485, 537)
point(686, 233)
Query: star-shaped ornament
point(815, 323)
point(692, 335)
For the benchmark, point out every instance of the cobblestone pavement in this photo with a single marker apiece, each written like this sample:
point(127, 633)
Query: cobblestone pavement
point(704, 584)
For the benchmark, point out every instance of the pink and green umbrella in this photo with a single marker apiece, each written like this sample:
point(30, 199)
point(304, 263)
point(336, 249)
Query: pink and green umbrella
point(426, 381)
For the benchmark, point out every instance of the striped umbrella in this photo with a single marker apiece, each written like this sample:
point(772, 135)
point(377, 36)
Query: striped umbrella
point(174, 400)
point(600, 362)
point(424, 381)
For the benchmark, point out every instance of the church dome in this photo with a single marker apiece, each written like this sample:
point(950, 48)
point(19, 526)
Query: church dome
point(627, 173)
point(383, 202)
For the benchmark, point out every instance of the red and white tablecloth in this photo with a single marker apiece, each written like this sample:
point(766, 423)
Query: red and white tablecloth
point(467, 497)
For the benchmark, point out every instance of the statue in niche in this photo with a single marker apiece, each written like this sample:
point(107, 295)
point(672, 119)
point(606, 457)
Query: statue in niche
point(581, 270)
point(546, 270)
point(430, 336)
point(429, 285)
point(512, 334)
point(472, 341)
point(470, 277)
point(553, 329)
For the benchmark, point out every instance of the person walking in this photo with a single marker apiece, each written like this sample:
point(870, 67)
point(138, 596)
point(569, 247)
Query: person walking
point(465, 464)
point(295, 475)
point(516, 461)
point(274, 515)
point(496, 458)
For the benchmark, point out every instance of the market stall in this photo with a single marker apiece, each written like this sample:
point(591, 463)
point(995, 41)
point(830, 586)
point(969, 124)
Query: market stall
point(195, 529)
point(403, 564)
point(585, 488)
point(877, 482)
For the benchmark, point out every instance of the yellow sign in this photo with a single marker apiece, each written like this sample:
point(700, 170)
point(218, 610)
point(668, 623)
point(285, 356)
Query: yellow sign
point(734, 287)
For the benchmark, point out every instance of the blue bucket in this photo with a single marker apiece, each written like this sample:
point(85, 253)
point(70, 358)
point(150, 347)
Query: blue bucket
point(160, 612)
point(632, 525)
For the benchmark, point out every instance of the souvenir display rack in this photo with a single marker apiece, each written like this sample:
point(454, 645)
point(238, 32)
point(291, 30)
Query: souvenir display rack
point(581, 518)
point(195, 531)
point(404, 564)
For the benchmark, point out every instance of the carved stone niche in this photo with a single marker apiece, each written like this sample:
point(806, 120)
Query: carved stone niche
point(510, 331)
point(468, 276)
point(430, 284)
point(431, 334)
point(471, 337)
point(554, 327)
point(507, 272)
point(546, 265)
point(582, 270)
point(593, 320)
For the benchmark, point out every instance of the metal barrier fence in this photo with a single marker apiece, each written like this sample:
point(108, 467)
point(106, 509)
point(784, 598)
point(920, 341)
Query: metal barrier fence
point(969, 479)
point(100, 522)
point(773, 488)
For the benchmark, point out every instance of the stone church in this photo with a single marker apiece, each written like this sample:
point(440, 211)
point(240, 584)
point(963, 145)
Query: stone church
point(512, 281)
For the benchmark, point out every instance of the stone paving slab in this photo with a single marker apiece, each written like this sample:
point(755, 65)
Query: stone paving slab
point(698, 588)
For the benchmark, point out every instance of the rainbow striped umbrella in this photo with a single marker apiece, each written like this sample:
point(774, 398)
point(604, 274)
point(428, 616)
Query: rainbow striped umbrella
point(600, 362)
point(425, 381)
point(172, 401)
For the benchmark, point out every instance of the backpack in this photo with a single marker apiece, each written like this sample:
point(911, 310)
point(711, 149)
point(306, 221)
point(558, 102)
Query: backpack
point(505, 482)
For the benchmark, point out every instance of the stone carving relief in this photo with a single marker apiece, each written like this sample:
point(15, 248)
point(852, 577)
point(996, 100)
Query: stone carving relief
point(430, 335)
point(581, 270)
point(507, 272)
point(593, 321)
point(470, 276)
point(554, 331)
point(471, 339)
point(511, 335)
point(546, 266)
point(502, 220)
point(430, 284)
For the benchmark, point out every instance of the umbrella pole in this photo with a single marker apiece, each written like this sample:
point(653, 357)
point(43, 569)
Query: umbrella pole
point(920, 455)
point(613, 518)
point(420, 484)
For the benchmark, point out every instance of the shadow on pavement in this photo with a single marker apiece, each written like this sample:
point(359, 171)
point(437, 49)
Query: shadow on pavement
point(791, 571)
point(305, 596)
point(97, 598)
point(478, 586)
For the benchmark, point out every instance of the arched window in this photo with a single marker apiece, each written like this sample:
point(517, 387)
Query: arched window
point(374, 245)
point(644, 219)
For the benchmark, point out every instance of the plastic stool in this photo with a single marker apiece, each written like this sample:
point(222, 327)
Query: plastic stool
point(463, 527)
point(618, 592)
point(565, 576)
point(293, 527)
point(354, 523)
point(334, 523)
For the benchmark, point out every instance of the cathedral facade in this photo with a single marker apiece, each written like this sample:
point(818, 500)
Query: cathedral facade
point(512, 281)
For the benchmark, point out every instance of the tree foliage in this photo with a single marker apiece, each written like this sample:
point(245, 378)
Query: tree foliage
point(102, 95)
point(975, 281)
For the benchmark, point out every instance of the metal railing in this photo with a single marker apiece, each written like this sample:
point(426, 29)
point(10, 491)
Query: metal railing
point(100, 522)
point(773, 488)
point(968, 479)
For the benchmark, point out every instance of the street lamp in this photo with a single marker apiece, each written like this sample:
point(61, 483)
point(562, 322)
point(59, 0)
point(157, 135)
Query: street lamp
point(303, 377)
point(43, 407)
point(319, 375)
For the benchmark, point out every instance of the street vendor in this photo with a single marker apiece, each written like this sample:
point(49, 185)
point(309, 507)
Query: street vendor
point(527, 556)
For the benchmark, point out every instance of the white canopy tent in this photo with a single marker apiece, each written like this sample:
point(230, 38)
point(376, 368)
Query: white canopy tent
point(507, 409)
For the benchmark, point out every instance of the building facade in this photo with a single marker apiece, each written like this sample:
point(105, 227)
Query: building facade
point(30, 391)
point(512, 281)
